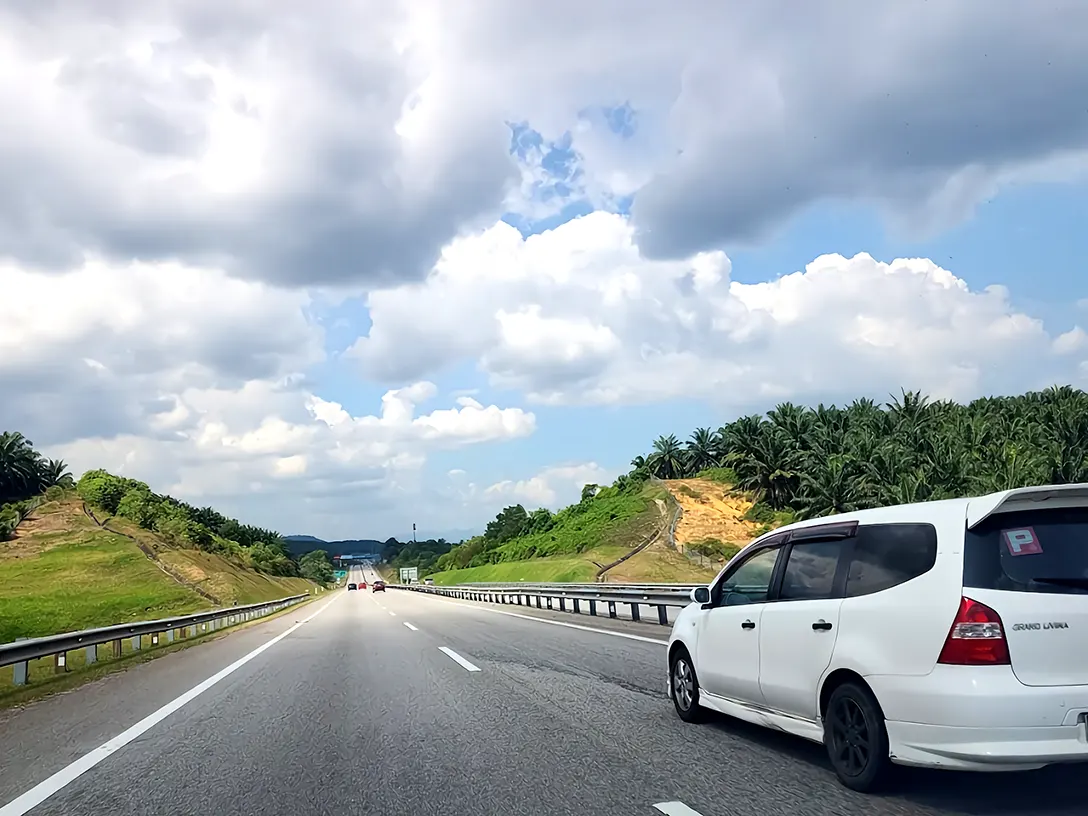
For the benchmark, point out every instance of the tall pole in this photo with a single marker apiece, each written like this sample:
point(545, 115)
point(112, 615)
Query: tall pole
point(413, 532)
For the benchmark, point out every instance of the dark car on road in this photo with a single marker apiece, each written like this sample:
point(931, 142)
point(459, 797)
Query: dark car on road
point(379, 586)
point(352, 586)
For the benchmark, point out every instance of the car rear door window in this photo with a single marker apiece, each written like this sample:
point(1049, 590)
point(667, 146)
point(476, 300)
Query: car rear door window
point(810, 571)
point(1029, 551)
point(887, 555)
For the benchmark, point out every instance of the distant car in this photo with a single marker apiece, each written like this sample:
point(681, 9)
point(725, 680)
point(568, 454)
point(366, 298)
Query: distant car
point(352, 586)
point(379, 586)
point(362, 585)
point(429, 581)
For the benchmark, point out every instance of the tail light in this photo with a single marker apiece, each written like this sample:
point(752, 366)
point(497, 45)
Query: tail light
point(977, 637)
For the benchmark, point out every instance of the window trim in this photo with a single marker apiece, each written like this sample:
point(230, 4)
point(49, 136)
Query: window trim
point(832, 531)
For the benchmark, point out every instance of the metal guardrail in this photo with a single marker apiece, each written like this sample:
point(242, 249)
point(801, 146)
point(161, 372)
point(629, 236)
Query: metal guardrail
point(660, 596)
point(682, 588)
point(18, 654)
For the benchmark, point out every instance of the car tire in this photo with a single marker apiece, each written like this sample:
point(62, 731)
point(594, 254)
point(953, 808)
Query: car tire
point(684, 686)
point(856, 738)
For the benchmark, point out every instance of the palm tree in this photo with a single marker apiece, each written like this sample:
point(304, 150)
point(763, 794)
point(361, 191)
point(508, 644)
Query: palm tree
point(701, 453)
point(54, 473)
point(19, 467)
point(667, 460)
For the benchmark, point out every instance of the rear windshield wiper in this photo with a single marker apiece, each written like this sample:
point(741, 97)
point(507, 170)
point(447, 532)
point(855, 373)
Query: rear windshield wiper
point(1080, 583)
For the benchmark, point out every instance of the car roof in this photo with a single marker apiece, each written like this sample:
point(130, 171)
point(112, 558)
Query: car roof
point(973, 509)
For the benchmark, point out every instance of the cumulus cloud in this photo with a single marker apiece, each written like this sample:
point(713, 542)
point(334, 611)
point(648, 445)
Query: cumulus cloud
point(293, 459)
point(554, 486)
point(191, 380)
point(104, 349)
point(350, 141)
point(578, 315)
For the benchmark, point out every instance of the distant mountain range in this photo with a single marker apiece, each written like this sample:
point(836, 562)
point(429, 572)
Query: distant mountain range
point(302, 544)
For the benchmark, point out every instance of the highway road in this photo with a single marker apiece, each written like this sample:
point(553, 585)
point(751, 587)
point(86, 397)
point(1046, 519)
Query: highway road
point(405, 703)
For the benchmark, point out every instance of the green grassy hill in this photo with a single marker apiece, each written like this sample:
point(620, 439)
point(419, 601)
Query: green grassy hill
point(62, 572)
point(571, 545)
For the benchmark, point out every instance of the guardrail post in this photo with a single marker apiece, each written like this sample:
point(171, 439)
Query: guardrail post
point(91, 653)
point(538, 602)
point(549, 602)
point(169, 635)
point(577, 607)
point(60, 663)
point(137, 643)
point(662, 615)
point(154, 639)
point(19, 670)
point(562, 604)
point(611, 609)
point(634, 612)
point(593, 608)
point(117, 648)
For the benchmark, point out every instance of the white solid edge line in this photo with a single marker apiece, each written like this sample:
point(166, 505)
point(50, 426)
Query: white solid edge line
point(456, 658)
point(46, 788)
point(471, 605)
point(410, 626)
point(675, 809)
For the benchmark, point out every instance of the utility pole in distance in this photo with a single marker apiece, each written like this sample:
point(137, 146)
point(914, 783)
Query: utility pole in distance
point(413, 532)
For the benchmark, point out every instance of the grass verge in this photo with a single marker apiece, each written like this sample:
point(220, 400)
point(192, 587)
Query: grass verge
point(43, 682)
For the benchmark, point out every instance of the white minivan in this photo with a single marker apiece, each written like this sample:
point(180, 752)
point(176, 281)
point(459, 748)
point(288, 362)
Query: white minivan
point(947, 634)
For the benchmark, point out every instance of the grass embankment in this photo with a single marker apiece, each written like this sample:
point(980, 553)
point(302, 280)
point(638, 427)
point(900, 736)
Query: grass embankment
point(62, 573)
point(716, 522)
point(580, 567)
point(583, 539)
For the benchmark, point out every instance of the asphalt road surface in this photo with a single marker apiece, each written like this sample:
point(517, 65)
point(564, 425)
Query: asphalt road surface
point(405, 703)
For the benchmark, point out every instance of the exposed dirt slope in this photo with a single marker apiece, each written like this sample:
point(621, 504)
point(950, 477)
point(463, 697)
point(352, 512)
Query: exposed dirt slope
point(711, 510)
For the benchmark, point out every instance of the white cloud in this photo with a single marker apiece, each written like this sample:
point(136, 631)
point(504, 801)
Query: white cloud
point(578, 315)
point(338, 141)
point(103, 349)
point(189, 379)
point(553, 487)
point(297, 461)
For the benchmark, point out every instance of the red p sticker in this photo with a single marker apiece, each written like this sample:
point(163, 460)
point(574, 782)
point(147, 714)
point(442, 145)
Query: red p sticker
point(1022, 541)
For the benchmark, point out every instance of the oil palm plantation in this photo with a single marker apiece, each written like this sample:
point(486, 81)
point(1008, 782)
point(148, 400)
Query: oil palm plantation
point(826, 459)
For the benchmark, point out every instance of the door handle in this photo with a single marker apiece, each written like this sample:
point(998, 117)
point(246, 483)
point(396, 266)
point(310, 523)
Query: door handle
point(748, 625)
point(821, 626)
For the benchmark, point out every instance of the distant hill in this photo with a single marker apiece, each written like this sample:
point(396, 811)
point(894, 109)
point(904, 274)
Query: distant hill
point(301, 544)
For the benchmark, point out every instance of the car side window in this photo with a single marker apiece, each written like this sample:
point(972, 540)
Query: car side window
point(810, 571)
point(751, 581)
point(886, 555)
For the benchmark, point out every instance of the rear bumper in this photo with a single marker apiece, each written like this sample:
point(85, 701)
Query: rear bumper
point(981, 718)
point(985, 749)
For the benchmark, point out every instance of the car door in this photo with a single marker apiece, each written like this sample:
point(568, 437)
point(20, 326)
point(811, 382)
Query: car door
point(727, 658)
point(800, 625)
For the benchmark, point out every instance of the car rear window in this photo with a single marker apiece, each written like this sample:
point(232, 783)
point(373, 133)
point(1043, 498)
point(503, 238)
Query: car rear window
point(1029, 551)
point(887, 555)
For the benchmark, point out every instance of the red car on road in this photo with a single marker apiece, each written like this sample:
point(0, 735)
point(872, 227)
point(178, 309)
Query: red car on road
point(379, 586)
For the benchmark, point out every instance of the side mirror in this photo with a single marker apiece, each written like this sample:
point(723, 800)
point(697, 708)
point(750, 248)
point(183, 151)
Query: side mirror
point(700, 595)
